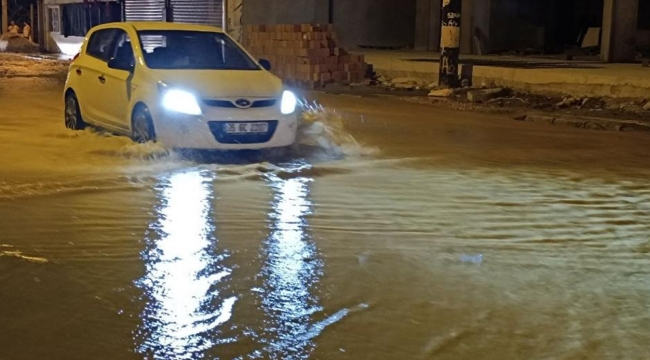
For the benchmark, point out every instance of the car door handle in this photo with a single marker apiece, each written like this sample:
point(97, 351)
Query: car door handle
point(78, 71)
point(102, 79)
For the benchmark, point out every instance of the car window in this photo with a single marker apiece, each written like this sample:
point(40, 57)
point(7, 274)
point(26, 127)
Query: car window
point(180, 49)
point(100, 45)
point(123, 49)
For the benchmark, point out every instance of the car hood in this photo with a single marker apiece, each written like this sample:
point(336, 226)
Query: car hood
point(214, 84)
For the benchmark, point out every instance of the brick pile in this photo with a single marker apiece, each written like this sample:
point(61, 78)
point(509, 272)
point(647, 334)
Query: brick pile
point(305, 55)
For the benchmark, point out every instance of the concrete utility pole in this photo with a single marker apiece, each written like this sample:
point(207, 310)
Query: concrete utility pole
point(5, 17)
point(450, 43)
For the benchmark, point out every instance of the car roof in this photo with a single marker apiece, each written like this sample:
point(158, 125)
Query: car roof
point(159, 25)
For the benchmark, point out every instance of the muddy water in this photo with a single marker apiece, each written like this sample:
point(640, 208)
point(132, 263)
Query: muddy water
point(409, 233)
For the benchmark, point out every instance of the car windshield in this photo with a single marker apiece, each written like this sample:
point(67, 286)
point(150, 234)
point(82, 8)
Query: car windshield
point(180, 49)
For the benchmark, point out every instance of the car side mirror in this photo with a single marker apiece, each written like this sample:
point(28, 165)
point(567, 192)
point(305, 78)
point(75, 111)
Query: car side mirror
point(265, 64)
point(118, 64)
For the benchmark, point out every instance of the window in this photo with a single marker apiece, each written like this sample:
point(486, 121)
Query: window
point(124, 49)
point(174, 49)
point(54, 19)
point(78, 18)
point(111, 43)
point(101, 44)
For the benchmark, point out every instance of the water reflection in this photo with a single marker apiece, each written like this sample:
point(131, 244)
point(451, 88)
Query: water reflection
point(291, 271)
point(185, 310)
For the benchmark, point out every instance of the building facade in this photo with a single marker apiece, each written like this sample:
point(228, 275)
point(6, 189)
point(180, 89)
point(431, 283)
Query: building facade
point(67, 21)
point(358, 23)
point(488, 26)
point(551, 26)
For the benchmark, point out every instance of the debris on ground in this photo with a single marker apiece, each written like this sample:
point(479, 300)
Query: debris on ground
point(511, 102)
point(568, 102)
point(592, 123)
point(382, 81)
point(406, 83)
point(15, 43)
point(15, 65)
point(483, 95)
point(490, 98)
point(441, 93)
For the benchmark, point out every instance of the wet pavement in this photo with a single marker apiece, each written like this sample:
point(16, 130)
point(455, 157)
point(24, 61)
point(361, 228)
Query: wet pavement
point(410, 233)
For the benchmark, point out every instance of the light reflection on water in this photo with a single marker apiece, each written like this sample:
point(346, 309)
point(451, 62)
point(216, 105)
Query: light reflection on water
point(188, 308)
point(184, 311)
point(291, 271)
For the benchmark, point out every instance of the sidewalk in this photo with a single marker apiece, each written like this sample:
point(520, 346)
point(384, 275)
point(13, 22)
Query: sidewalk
point(576, 78)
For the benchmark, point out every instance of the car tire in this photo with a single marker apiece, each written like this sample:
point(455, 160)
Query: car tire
point(142, 130)
point(72, 114)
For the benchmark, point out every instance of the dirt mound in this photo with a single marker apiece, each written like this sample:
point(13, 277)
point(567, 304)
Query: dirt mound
point(23, 65)
point(17, 44)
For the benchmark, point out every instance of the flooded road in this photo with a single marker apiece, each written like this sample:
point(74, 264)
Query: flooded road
point(413, 233)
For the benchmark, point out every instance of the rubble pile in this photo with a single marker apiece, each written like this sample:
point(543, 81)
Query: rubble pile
point(15, 43)
point(15, 65)
point(494, 97)
point(305, 55)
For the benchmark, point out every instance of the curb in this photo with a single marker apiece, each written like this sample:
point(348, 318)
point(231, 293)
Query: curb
point(569, 82)
point(587, 122)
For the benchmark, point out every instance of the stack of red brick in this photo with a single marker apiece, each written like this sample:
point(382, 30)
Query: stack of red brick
point(304, 55)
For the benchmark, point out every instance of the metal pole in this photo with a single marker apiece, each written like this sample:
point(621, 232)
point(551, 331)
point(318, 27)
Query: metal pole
point(450, 43)
point(5, 17)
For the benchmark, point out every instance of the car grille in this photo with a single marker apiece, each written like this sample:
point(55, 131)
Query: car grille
point(231, 104)
point(218, 129)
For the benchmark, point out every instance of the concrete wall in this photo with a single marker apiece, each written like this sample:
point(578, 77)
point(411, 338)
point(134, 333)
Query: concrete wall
point(620, 21)
point(643, 39)
point(509, 30)
point(349, 21)
point(466, 26)
point(285, 11)
point(427, 25)
point(422, 24)
point(385, 23)
point(481, 21)
point(54, 41)
point(358, 22)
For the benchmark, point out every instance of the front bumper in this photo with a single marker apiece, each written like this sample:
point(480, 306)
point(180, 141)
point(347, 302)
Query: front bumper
point(207, 132)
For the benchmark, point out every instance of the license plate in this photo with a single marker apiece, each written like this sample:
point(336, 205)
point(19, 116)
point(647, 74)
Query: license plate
point(246, 128)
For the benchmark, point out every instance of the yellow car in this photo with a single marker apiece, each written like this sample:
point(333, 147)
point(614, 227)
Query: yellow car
point(185, 86)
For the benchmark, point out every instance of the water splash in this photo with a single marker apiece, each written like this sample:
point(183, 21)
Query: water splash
point(322, 135)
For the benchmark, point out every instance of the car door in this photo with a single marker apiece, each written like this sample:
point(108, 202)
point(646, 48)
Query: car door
point(117, 82)
point(91, 91)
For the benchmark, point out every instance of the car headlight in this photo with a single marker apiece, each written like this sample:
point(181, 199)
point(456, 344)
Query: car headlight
point(289, 102)
point(181, 101)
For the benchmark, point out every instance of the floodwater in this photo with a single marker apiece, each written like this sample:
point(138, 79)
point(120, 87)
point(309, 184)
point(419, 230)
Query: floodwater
point(413, 233)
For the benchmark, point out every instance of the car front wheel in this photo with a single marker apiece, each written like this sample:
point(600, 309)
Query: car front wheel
point(142, 130)
point(73, 118)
